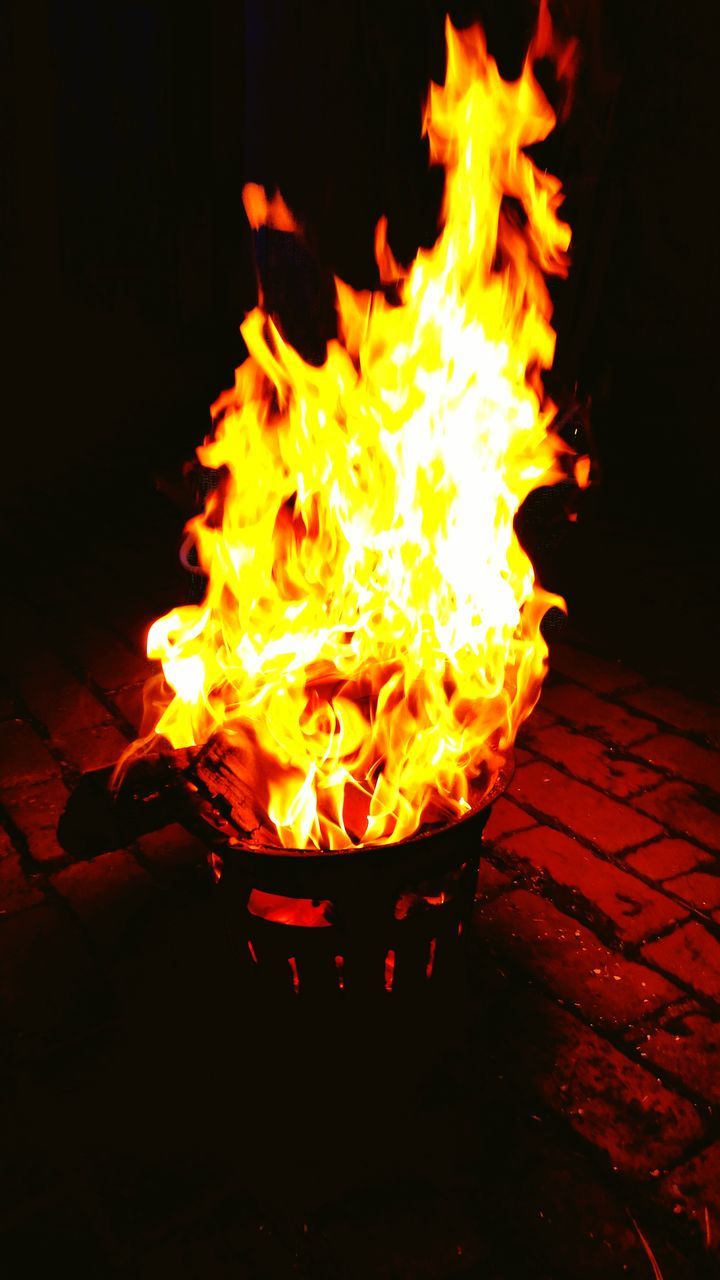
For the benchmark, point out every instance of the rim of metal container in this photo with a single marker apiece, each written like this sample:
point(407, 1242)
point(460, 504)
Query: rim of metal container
point(429, 847)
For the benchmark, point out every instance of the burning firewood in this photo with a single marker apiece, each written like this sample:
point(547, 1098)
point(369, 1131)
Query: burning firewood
point(369, 637)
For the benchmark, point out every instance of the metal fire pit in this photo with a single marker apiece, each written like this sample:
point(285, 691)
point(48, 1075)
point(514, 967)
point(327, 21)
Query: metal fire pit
point(375, 920)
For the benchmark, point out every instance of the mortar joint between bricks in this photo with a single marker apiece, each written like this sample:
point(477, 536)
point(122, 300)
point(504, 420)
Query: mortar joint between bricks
point(69, 773)
point(596, 733)
point(562, 768)
point(64, 906)
point(621, 756)
point(76, 668)
point(18, 839)
point(570, 901)
point(676, 833)
point(708, 1003)
point(549, 820)
point(675, 1084)
point(614, 1036)
point(691, 735)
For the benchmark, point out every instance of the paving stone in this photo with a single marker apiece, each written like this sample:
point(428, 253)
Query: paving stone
point(109, 893)
point(700, 889)
point(591, 761)
point(598, 674)
point(677, 806)
point(665, 858)
point(613, 1102)
point(16, 890)
point(693, 1189)
point(691, 954)
point(129, 703)
point(23, 755)
point(504, 818)
point(675, 709)
point(605, 822)
point(685, 1042)
point(683, 758)
point(110, 661)
point(537, 720)
point(173, 848)
point(95, 748)
point(490, 881)
point(59, 701)
point(584, 710)
point(606, 987)
point(36, 810)
point(636, 910)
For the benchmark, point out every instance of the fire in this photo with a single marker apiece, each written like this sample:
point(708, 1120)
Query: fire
point(370, 636)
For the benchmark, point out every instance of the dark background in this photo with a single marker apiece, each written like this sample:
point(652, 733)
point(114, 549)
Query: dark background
point(131, 128)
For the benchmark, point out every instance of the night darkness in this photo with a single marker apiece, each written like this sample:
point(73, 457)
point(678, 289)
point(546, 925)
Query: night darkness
point(131, 131)
point(128, 133)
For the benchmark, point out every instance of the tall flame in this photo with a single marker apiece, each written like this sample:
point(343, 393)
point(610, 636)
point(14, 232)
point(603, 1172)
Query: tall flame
point(370, 637)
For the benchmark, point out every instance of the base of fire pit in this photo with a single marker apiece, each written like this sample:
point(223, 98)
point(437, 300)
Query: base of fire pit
point(365, 922)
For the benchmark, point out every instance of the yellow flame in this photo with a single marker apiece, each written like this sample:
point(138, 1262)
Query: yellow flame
point(370, 636)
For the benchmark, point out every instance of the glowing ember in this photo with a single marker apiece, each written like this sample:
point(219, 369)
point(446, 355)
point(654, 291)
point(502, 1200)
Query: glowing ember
point(369, 642)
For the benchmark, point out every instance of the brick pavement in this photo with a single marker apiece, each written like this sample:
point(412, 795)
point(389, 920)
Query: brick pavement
point(599, 897)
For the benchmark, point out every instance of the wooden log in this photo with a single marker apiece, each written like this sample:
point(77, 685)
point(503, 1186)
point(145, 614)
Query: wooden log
point(228, 777)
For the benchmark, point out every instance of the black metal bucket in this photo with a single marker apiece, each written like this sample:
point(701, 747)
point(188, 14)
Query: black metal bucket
point(380, 920)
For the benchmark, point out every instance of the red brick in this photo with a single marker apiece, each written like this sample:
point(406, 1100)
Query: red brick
point(591, 761)
point(693, 1188)
point(537, 720)
point(675, 709)
point(635, 909)
point(111, 662)
point(173, 847)
point(586, 711)
point(93, 748)
point(677, 806)
point(684, 759)
point(690, 954)
point(598, 818)
point(35, 810)
point(43, 845)
point(614, 1103)
point(490, 881)
point(23, 755)
point(129, 703)
point(700, 889)
point(504, 818)
point(594, 673)
point(108, 893)
point(573, 963)
point(687, 1044)
point(59, 701)
point(522, 757)
point(665, 858)
point(16, 890)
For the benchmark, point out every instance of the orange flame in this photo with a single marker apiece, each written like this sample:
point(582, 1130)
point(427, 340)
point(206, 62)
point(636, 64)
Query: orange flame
point(370, 637)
